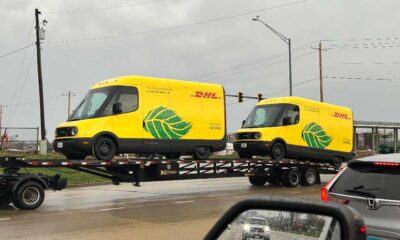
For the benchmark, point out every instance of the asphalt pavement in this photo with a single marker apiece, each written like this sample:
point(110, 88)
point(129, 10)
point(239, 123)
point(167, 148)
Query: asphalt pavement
point(184, 209)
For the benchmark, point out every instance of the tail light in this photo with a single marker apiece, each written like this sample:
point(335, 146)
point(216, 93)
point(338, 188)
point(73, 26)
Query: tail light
point(324, 194)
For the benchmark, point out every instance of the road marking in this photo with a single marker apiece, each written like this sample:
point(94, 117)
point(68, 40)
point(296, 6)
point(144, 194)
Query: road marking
point(180, 202)
point(5, 219)
point(242, 196)
point(294, 192)
point(110, 209)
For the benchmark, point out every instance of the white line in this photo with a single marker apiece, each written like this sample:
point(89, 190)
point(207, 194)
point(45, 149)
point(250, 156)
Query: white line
point(294, 192)
point(180, 202)
point(5, 219)
point(240, 196)
point(110, 209)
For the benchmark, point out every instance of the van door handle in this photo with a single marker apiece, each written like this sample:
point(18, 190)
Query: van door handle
point(144, 124)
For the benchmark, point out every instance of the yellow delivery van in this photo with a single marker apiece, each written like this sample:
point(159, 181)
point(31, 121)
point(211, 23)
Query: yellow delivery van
point(299, 128)
point(135, 114)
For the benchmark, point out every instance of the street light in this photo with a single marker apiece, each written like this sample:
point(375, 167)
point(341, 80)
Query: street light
point(286, 40)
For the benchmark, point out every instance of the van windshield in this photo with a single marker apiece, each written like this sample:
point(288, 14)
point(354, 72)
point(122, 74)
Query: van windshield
point(99, 102)
point(272, 115)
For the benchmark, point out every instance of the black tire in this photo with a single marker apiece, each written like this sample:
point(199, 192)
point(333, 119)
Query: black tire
point(172, 155)
point(28, 196)
point(291, 177)
point(337, 162)
point(274, 178)
point(75, 156)
point(104, 149)
point(245, 155)
point(257, 181)
point(201, 153)
point(277, 151)
point(308, 177)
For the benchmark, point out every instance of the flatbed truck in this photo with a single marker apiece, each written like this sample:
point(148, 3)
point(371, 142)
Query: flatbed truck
point(27, 191)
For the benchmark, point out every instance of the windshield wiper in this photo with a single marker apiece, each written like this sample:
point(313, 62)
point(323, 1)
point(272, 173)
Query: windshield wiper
point(361, 192)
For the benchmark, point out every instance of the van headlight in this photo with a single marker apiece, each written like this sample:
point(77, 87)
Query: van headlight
point(246, 228)
point(257, 135)
point(237, 136)
point(74, 131)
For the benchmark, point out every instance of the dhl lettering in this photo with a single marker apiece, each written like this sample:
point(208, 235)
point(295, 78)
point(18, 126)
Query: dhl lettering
point(340, 115)
point(200, 94)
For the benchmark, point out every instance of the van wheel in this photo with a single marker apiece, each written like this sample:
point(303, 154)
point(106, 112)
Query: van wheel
point(308, 177)
point(104, 149)
point(277, 151)
point(201, 153)
point(75, 156)
point(291, 177)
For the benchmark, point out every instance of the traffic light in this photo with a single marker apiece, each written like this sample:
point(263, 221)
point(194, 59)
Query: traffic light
point(240, 97)
point(259, 97)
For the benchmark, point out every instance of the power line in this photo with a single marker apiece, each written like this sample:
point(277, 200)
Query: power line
point(170, 28)
point(364, 63)
point(254, 68)
point(295, 85)
point(92, 10)
point(17, 50)
point(363, 78)
point(361, 39)
point(252, 62)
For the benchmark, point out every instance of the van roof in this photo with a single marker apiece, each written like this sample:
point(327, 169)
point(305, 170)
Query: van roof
point(134, 80)
point(294, 99)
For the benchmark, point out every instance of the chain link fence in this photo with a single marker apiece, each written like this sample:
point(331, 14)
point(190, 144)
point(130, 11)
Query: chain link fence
point(19, 139)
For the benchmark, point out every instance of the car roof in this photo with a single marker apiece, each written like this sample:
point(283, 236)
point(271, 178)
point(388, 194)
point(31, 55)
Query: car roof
point(393, 158)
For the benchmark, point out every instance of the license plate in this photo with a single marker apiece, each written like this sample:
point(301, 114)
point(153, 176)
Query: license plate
point(243, 145)
point(59, 145)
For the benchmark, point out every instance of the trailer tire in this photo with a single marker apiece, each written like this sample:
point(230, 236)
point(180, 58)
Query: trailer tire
point(28, 196)
point(257, 180)
point(308, 177)
point(291, 177)
point(201, 153)
point(277, 151)
point(104, 148)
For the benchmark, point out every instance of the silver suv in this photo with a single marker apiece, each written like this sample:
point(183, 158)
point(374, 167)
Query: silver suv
point(256, 228)
point(370, 185)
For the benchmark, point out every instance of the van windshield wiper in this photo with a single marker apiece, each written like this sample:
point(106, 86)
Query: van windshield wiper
point(361, 192)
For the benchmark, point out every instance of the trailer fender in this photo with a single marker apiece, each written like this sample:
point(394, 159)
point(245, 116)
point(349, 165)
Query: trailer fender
point(22, 179)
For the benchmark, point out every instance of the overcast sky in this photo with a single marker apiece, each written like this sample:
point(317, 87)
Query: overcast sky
point(203, 40)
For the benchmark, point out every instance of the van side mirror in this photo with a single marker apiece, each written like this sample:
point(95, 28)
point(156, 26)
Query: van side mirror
point(287, 121)
point(243, 122)
point(117, 108)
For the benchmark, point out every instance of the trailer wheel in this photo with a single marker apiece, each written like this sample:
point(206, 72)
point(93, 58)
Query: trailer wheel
point(28, 196)
point(104, 149)
point(201, 153)
point(257, 181)
point(277, 151)
point(308, 177)
point(291, 177)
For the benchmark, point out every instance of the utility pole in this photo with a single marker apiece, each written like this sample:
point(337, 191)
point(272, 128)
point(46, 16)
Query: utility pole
point(39, 69)
point(69, 94)
point(321, 78)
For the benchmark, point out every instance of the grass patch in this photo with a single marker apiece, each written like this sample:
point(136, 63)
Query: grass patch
point(74, 177)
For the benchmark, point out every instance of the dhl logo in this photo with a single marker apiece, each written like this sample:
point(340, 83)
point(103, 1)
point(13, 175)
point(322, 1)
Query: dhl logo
point(341, 115)
point(201, 94)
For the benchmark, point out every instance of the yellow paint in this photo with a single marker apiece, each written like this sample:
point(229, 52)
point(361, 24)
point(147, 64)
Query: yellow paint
point(336, 121)
point(206, 112)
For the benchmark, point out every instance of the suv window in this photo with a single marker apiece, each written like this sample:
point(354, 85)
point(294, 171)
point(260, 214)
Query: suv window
point(383, 182)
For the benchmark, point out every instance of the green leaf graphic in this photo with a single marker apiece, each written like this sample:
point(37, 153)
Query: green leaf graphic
point(164, 123)
point(315, 136)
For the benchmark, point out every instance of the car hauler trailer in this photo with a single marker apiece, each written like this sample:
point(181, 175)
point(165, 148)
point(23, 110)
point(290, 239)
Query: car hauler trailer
point(26, 191)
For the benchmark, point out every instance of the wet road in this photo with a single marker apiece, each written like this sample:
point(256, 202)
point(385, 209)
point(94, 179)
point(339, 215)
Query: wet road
point(184, 209)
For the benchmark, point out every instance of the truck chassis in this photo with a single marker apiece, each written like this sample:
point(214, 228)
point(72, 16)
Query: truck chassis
point(26, 191)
